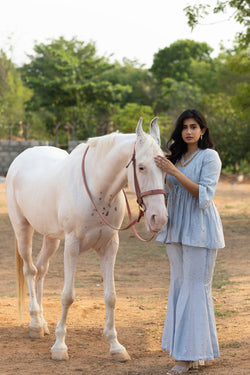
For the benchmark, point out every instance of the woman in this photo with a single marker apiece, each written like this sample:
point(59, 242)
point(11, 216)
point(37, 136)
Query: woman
point(193, 234)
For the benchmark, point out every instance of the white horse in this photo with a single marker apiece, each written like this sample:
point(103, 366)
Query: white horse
point(45, 192)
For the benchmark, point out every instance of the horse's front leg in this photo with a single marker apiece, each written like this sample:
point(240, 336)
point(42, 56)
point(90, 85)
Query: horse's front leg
point(71, 251)
point(108, 256)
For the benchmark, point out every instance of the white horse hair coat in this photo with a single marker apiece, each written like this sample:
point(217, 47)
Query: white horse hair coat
point(45, 192)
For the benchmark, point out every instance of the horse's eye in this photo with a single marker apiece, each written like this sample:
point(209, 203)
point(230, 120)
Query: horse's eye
point(141, 168)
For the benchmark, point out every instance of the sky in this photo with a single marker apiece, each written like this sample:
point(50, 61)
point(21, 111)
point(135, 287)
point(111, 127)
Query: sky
point(135, 29)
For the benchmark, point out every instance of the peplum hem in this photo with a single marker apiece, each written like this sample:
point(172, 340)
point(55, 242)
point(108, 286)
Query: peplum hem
point(190, 225)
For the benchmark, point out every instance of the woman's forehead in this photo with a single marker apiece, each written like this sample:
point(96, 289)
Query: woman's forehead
point(190, 121)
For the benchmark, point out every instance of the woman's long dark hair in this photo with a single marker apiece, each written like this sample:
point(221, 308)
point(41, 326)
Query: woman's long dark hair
point(177, 146)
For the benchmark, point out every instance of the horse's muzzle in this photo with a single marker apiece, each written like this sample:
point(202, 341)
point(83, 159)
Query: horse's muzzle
point(157, 222)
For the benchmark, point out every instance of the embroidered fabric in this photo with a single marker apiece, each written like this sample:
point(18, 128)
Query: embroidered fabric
point(185, 162)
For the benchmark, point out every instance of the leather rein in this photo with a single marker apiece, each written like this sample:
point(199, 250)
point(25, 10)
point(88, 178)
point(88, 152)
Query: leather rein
point(139, 195)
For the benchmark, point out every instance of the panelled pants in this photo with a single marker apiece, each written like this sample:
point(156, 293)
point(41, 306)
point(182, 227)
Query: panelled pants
point(190, 330)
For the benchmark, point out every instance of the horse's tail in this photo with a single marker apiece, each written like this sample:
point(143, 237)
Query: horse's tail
point(21, 285)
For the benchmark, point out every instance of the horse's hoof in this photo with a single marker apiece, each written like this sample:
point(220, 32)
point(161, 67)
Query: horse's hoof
point(59, 354)
point(121, 356)
point(36, 333)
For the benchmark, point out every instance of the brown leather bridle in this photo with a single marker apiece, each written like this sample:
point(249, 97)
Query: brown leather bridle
point(139, 195)
point(138, 192)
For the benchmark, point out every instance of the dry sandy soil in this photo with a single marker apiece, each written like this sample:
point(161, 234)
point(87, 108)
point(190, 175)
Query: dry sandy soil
point(142, 281)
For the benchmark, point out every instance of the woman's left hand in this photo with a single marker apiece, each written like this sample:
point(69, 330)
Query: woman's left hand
point(166, 165)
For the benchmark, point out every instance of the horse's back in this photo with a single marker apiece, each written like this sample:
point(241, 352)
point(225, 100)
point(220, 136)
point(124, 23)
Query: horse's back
point(34, 166)
point(31, 183)
point(35, 159)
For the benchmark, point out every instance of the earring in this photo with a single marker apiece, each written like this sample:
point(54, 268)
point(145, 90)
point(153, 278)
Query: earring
point(201, 137)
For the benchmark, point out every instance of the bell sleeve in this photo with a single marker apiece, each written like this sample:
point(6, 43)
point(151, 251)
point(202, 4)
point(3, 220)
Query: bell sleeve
point(210, 173)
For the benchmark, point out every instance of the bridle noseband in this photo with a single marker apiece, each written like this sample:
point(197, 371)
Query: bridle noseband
point(139, 195)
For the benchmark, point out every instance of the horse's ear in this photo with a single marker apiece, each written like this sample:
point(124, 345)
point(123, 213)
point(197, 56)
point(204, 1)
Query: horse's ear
point(139, 131)
point(155, 131)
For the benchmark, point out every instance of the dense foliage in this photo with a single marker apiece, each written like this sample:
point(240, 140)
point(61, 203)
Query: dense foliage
point(67, 91)
point(241, 14)
point(13, 95)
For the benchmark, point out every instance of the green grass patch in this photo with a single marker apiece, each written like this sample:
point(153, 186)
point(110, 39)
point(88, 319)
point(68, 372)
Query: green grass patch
point(233, 344)
point(221, 278)
point(224, 314)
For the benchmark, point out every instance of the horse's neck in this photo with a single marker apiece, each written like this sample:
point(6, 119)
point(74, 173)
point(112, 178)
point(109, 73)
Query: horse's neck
point(111, 170)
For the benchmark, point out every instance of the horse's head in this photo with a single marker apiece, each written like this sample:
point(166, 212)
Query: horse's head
point(150, 177)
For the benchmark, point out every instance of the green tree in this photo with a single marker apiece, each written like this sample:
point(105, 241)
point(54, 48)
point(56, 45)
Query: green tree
point(218, 87)
point(66, 78)
point(232, 104)
point(175, 61)
point(175, 97)
point(228, 130)
point(139, 82)
point(125, 119)
point(240, 63)
point(195, 13)
point(13, 95)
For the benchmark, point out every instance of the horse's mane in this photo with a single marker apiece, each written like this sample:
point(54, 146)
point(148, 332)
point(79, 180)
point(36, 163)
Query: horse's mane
point(102, 144)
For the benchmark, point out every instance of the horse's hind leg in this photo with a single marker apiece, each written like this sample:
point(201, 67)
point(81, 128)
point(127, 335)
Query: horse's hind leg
point(48, 249)
point(108, 256)
point(24, 233)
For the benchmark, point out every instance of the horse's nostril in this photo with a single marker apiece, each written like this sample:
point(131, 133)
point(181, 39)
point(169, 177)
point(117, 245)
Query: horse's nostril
point(157, 222)
point(153, 220)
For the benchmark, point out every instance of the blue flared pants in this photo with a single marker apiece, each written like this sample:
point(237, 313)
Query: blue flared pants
point(190, 330)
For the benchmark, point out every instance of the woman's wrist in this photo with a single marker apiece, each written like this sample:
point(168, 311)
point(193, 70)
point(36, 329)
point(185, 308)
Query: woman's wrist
point(176, 173)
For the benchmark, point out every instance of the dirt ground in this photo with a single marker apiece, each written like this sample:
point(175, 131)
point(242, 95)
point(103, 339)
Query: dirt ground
point(142, 281)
